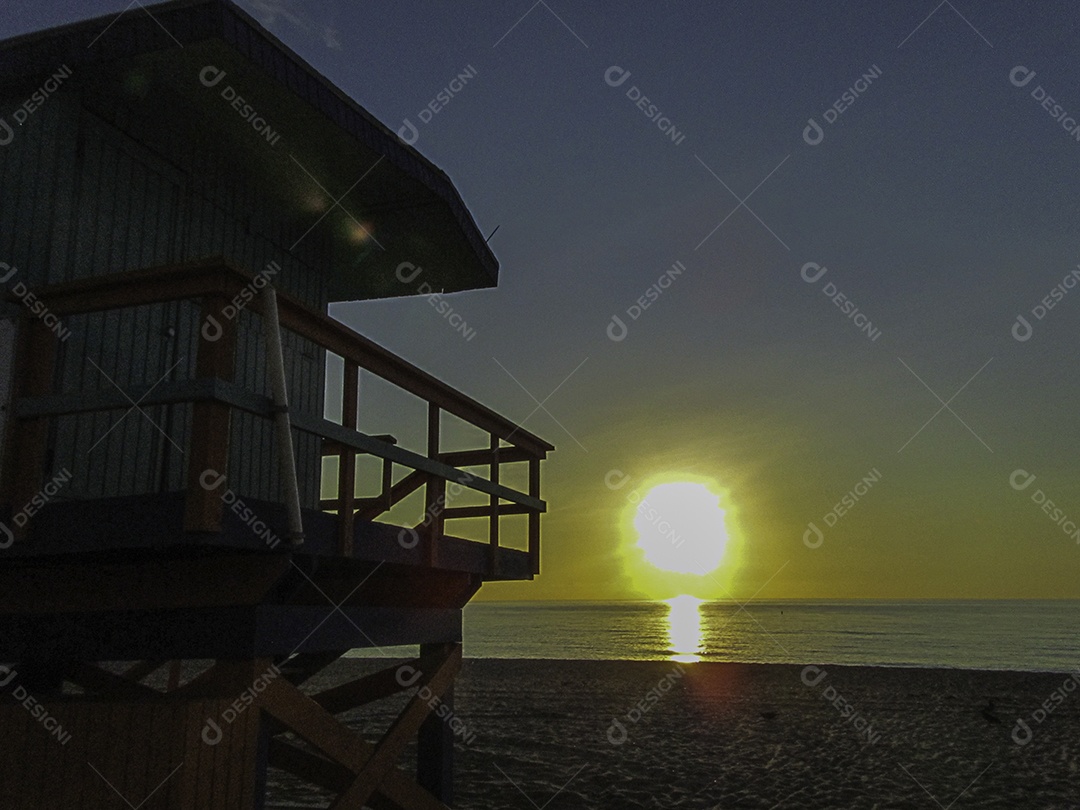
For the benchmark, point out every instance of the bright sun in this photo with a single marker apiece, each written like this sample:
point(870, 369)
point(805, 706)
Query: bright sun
point(681, 528)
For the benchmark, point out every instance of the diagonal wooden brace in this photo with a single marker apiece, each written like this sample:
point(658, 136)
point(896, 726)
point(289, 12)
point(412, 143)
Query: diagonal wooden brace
point(373, 764)
point(400, 732)
point(368, 689)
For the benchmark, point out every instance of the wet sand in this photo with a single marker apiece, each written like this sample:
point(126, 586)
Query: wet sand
point(611, 734)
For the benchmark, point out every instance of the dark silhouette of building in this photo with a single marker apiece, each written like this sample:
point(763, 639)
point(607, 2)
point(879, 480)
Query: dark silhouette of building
point(174, 564)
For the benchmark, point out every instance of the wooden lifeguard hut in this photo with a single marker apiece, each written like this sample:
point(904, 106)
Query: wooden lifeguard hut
point(187, 538)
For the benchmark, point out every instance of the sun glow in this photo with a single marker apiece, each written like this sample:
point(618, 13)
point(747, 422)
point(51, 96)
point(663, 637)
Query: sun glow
point(681, 528)
point(684, 628)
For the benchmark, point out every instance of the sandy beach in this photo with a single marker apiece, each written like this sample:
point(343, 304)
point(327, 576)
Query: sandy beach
point(610, 734)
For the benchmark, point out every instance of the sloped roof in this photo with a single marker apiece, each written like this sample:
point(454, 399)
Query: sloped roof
point(408, 204)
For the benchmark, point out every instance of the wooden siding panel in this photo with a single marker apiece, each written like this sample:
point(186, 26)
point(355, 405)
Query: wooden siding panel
point(64, 211)
point(43, 128)
point(28, 170)
point(135, 746)
point(117, 203)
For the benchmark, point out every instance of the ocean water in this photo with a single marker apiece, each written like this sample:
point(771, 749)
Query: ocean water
point(1010, 635)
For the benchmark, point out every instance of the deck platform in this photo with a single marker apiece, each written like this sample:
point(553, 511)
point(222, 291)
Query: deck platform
point(142, 587)
point(156, 522)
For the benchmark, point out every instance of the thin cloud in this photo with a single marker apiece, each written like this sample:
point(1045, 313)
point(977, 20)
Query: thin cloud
point(268, 12)
point(330, 38)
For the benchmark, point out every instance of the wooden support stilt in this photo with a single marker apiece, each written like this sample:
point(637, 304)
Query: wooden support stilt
point(264, 735)
point(226, 726)
point(435, 749)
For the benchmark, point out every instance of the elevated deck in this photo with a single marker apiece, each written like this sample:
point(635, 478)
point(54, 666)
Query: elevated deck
point(214, 395)
point(97, 594)
point(142, 574)
point(97, 527)
point(142, 587)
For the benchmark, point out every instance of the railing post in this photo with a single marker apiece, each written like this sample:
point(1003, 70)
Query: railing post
point(387, 491)
point(493, 525)
point(435, 489)
point(26, 453)
point(534, 516)
point(210, 421)
point(279, 387)
point(347, 462)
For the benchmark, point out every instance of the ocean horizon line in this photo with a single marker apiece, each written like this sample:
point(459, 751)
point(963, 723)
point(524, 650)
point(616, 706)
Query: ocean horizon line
point(776, 600)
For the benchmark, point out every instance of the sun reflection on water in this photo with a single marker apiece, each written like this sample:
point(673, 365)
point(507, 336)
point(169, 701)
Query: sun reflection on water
point(684, 628)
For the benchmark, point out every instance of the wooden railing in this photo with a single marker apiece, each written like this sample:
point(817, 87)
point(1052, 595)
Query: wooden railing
point(214, 395)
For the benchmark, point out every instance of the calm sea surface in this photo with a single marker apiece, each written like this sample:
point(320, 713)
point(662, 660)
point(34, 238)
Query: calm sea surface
point(1018, 635)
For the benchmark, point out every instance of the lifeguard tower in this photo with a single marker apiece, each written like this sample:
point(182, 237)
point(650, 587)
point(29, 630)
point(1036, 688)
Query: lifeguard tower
point(193, 527)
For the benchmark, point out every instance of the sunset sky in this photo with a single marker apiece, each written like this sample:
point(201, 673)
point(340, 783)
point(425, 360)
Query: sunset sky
point(941, 201)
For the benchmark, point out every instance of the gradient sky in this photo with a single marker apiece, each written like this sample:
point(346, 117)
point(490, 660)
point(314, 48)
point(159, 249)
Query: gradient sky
point(942, 202)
